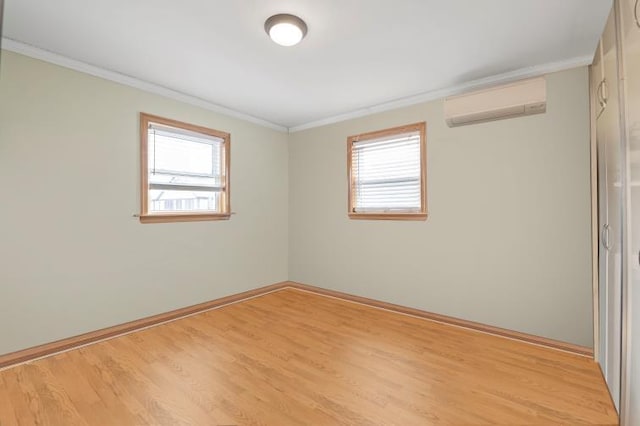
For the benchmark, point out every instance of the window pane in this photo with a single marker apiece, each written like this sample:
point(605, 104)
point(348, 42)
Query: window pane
point(387, 175)
point(183, 201)
point(187, 157)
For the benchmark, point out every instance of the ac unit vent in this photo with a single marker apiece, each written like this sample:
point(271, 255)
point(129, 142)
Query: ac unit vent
point(524, 97)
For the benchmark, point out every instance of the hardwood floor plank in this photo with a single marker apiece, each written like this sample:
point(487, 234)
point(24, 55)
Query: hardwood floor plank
point(292, 357)
point(11, 412)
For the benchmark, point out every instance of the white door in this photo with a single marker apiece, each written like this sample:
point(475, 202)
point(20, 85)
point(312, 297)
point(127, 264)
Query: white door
point(596, 82)
point(630, 30)
point(610, 186)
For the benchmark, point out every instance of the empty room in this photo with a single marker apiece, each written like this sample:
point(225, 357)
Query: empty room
point(357, 212)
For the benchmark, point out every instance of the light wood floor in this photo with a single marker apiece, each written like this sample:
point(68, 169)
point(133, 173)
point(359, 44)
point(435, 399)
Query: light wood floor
point(292, 357)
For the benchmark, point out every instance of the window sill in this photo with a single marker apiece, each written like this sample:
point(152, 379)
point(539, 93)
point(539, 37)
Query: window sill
point(183, 217)
point(388, 216)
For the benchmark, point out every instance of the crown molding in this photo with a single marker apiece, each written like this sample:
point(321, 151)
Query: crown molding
point(64, 61)
point(481, 83)
point(508, 77)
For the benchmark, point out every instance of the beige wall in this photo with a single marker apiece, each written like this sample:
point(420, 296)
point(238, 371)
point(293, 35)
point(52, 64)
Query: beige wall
point(507, 241)
point(72, 257)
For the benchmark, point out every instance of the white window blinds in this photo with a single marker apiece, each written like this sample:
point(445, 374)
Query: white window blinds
point(386, 174)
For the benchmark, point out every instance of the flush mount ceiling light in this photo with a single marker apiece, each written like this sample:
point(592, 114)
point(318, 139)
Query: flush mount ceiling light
point(285, 29)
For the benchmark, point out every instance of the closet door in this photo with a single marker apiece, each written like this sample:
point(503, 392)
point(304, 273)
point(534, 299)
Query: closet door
point(597, 80)
point(597, 83)
point(609, 148)
point(630, 20)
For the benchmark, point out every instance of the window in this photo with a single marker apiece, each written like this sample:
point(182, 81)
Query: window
point(185, 171)
point(387, 174)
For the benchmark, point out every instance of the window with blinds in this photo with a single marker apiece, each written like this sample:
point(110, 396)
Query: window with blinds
point(387, 176)
point(185, 171)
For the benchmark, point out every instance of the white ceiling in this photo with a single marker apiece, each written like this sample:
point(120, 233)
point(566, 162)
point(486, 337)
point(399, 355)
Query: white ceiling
point(358, 54)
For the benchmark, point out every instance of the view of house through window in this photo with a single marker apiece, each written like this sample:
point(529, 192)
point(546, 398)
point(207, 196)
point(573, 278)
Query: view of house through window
point(387, 173)
point(185, 169)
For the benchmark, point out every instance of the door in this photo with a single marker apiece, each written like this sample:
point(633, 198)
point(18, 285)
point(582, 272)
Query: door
point(597, 83)
point(630, 23)
point(610, 186)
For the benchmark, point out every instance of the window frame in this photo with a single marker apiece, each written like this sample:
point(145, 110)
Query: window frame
point(156, 217)
point(421, 128)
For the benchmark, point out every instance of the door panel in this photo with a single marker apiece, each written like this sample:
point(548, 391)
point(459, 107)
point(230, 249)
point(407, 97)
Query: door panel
point(608, 136)
point(603, 253)
point(597, 77)
point(596, 83)
point(630, 17)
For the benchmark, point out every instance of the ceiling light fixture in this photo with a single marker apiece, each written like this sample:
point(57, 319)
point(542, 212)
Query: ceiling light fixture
point(285, 29)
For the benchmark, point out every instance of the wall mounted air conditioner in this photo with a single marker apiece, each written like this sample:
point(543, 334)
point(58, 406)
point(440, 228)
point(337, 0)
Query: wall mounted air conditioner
point(523, 97)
